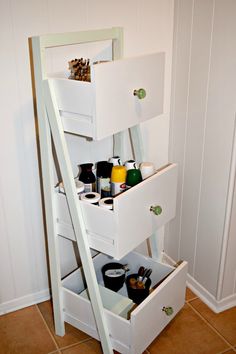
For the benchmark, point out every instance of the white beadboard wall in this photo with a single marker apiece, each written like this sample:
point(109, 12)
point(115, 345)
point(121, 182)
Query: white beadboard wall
point(148, 27)
point(201, 141)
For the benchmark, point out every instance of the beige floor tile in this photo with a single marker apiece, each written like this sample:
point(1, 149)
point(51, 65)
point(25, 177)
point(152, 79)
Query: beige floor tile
point(187, 333)
point(224, 322)
point(89, 347)
point(189, 295)
point(72, 334)
point(24, 332)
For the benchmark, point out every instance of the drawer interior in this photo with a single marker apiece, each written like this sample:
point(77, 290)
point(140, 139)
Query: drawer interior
point(75, 282)
point(133, 331)
point(131, 222)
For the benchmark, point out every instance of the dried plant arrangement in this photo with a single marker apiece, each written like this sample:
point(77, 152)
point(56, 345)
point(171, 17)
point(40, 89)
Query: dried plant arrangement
point(80, 69)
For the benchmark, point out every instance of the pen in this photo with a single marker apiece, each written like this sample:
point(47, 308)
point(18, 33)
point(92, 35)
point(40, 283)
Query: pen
point(146, 275)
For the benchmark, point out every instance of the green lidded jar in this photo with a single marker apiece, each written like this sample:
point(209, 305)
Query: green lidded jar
point(134, 177)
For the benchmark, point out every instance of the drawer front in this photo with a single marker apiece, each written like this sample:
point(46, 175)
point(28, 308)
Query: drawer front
point(136, 221)
point(146, 321)
point(118, 232)
point(108, 105)
point(116, 106)
point(149, 319)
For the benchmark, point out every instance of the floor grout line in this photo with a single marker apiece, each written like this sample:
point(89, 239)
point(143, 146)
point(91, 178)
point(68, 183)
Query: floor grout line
point(48, 329)
point(51, 334)
point(189, 300)
point(58, 350)
point(75, 344)
point(212, 327)
point(226, 351)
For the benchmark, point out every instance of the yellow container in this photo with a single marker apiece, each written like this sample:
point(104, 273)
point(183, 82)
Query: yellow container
point(118, 178)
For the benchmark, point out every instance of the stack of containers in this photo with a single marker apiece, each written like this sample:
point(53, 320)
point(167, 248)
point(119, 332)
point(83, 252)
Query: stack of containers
point(112, 178)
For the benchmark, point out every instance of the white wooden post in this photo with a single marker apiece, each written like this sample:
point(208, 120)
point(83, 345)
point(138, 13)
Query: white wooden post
point(47, 179)
point(156, 239)
point(76, 215)
point(51, 123)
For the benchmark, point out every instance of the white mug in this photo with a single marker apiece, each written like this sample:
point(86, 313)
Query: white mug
point(130, 165)
point(147, 169)
point(116, 160)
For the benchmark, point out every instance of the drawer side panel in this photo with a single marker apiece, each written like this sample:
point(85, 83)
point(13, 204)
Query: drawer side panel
point(148, 320)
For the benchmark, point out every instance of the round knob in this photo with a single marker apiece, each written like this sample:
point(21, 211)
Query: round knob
point(141, 93)
point(156, 209)
point(168, 310)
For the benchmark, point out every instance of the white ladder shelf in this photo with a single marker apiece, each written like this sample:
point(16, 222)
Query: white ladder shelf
point(49, 121)
point(51, 128)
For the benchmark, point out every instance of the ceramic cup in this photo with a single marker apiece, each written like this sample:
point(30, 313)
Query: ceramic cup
point(147, 169)
point(130, 164)
point(113, 276)
point(133, 177)
point(115, 160)
point(137, 295)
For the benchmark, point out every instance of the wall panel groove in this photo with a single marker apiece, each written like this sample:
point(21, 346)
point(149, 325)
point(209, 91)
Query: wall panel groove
point(205, 169)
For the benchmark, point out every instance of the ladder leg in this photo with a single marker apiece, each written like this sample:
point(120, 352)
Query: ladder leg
point(119, 144)
point(47, 179)
point(156, 244)
point(76, 216)
point(137, 143)
point(53, 247)
point(156, 239)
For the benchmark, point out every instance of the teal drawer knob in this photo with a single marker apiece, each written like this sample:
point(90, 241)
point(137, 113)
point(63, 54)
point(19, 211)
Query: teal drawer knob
point(141, 93)
point(168, 310)
point(157, 209)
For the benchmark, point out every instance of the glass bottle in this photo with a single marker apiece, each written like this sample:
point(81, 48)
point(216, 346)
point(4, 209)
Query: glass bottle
point(103, 178)
point(87, 177)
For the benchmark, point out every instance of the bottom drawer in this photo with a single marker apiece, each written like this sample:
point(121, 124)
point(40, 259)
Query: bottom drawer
point(146, 321)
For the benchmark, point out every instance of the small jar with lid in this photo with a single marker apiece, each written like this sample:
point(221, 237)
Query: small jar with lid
point(87, 177)
point(103, 178)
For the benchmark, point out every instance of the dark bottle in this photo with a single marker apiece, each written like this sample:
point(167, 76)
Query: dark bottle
point(87, 177)
point(103, 178)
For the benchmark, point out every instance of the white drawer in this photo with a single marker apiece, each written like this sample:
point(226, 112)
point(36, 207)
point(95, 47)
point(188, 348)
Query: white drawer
point(131, 222)
point(107, 105)
point(146, 321)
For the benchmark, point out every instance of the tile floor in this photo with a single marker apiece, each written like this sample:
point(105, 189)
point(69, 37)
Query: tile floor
point(195, 330)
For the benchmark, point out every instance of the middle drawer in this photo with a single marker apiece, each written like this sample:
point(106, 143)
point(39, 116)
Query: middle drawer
point(117, 232)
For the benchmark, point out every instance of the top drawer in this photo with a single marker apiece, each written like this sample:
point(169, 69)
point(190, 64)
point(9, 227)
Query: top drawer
point(108, 105)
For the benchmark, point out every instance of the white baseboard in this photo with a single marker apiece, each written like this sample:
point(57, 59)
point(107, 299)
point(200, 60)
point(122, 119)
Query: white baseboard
point(215, 305)
point(24, 301)
point(203, 294)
